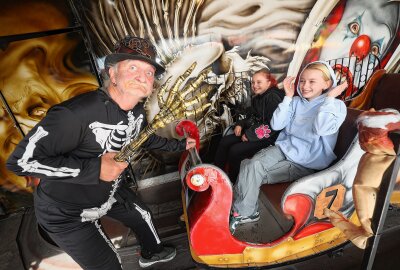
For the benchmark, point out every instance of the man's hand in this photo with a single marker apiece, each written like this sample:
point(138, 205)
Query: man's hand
point(288, 86)
point(190, 143)
point(111, 169)
point(238, 130)
point(244, 138)
point(335, 92)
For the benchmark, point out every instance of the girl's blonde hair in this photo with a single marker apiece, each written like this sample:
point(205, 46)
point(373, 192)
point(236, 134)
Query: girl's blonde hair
point(321, 67)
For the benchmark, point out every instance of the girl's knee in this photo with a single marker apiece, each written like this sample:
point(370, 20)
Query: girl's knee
point(255, 163)
point(237, 151)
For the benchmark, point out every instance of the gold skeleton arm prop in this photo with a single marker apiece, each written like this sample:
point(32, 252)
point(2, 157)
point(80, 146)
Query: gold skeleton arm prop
point(176, 106)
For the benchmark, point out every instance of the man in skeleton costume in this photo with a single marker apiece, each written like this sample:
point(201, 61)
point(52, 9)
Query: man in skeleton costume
point(72, 151)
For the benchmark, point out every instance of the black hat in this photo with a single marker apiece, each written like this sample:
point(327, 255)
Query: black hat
point(133, 48)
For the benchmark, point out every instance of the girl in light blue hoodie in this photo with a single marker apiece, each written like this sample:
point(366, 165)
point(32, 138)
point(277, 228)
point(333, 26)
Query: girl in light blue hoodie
point(309, 122)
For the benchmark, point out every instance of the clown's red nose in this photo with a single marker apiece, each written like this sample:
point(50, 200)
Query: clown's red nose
point(360, 47)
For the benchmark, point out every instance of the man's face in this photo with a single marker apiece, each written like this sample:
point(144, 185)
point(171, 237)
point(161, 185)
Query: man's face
point(134, 79)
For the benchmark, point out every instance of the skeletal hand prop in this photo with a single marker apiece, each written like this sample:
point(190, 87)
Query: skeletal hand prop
point(176, 106)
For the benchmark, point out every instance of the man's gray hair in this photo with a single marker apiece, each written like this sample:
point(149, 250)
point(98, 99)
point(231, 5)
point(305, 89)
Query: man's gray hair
point(106, 77)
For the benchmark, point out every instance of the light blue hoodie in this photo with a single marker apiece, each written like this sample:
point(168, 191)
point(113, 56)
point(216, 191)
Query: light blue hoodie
point(310, 128)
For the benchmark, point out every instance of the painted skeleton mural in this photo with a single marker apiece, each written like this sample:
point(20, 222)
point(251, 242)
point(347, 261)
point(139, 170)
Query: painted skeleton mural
point(266, 28)
point(235, 41)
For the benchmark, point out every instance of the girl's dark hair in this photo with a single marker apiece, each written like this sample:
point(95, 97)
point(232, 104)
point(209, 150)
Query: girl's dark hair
point(267, 75)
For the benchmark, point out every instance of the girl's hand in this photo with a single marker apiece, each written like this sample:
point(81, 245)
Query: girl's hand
point(288, 86)
point(238, 130)
point(338, 90)
point(244, 138)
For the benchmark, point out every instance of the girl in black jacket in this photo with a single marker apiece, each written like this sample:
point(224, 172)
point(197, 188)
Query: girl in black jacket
point(252, 133)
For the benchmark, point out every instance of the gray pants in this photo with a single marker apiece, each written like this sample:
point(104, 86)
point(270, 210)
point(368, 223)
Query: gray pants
point(268, 166)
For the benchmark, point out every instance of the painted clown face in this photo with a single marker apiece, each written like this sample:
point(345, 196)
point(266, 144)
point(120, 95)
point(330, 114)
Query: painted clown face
point(365, 31)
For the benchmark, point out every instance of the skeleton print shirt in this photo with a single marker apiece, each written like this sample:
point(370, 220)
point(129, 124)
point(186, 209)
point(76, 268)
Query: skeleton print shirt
point(65, 147)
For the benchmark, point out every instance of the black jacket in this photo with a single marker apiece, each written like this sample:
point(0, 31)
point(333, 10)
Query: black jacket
point(256, 124)
point(65, 147)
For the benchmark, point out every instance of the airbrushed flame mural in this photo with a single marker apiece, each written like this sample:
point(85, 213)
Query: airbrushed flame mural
point(235, 38)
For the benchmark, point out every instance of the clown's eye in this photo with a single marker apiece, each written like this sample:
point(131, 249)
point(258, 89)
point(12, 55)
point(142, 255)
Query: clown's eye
point(354, 27)
point(375, 49)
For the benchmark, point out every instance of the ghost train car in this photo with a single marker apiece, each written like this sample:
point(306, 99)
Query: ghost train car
point(296, 218)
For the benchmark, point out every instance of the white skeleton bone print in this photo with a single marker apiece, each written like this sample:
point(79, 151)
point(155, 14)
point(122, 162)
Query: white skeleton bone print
point(147, 217)
point(34, 166)
point(93, 214)
point(113, 137)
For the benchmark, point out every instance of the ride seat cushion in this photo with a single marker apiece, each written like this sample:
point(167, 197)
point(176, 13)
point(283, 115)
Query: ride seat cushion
point(347, 132)
point(274, 193)
point(386, 91)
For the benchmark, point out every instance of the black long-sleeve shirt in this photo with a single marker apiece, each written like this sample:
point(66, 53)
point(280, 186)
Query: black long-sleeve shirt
point(260, 113)
point(64, 149)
